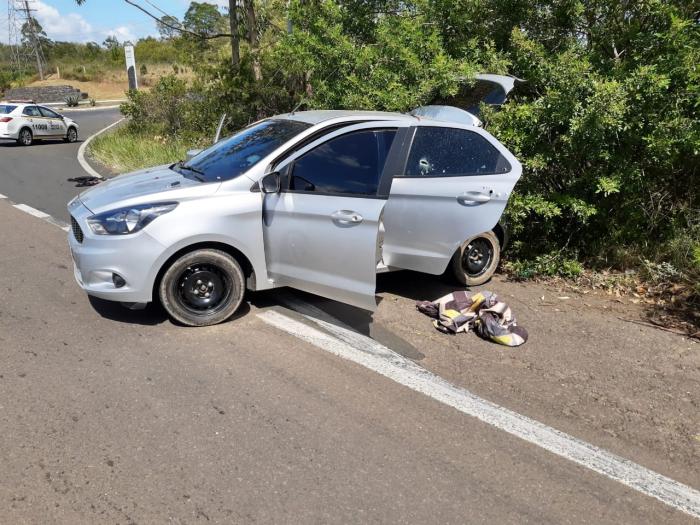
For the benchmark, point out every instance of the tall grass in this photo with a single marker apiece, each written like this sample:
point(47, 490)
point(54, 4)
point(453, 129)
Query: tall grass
point(123, 150)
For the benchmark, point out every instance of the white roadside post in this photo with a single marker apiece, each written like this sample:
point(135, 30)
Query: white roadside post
point(131, 66)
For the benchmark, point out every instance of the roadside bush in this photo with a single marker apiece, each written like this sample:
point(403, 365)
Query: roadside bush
point(547, 265)
point(72, 101)
point(169, 108)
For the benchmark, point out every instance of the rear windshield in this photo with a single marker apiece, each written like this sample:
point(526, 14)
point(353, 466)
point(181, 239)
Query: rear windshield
point(5, 109)
point(235, 155)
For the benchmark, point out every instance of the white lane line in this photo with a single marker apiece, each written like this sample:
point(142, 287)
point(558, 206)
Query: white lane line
point(366, 352)
point(32, 211)
point(41, 215)
point(83, 147)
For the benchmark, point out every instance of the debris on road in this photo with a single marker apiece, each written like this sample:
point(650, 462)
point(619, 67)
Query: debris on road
point(483, 312)
point(85, 180)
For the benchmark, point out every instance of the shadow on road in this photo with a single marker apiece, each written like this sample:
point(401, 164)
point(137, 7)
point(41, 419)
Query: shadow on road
point(152, 315)
point(339, 314)
point(36, 143)
point(416, 286)
point(411, 285)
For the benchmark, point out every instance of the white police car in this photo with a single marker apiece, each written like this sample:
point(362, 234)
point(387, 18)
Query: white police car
point(25, 122)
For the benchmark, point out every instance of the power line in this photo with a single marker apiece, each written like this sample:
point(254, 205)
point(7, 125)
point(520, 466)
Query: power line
point(158, 8)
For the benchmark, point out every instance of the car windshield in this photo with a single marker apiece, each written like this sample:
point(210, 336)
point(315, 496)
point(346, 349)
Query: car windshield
point(235, 155)
point(5, 109)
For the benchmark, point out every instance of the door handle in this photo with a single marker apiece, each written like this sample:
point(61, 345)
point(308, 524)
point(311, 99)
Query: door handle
point(346, 217)
point(474, 198)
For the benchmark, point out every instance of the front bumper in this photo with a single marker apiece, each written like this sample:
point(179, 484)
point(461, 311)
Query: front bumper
point(98, 258)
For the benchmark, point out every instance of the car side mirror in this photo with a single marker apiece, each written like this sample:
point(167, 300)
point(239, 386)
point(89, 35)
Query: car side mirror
point(270, 183)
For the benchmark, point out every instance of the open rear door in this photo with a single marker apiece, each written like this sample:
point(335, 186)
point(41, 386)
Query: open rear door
point(456, 183)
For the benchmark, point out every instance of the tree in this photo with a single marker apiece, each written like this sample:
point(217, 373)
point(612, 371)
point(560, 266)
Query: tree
point(235, 37)
point(33, 26)
point(111, 42)
point(168, 27)
point(203, 18)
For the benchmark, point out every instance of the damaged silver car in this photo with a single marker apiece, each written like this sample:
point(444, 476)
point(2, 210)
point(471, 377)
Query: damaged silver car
point(320, 201)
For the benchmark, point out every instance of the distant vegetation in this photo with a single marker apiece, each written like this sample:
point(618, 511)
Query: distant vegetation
point(89, 62)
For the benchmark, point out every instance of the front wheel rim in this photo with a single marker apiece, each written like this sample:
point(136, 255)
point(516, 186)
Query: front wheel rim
point(477, 257)
point(204, 289)
point(72, 135)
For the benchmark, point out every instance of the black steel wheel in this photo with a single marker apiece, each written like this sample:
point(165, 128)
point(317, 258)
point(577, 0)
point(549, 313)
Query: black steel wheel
point(25, 137)
point(477, 259)
point(202, 288)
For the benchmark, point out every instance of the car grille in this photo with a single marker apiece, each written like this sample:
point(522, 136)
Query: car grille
point(77, 231)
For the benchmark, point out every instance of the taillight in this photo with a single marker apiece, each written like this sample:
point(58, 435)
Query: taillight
point(5, 119)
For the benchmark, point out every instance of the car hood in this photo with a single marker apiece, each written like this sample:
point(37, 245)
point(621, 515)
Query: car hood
point(149, 185)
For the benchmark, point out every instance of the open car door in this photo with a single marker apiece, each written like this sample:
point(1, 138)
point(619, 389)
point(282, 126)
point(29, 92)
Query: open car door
point(455, 184)
point(321, 229)
point(464, 107)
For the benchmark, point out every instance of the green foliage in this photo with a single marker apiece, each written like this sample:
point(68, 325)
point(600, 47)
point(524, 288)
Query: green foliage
point(394, 64)
point(203, 18)
point(126, 150)
point(72, 101)
point(547, 265)
point(608, 135)
point(168, 108)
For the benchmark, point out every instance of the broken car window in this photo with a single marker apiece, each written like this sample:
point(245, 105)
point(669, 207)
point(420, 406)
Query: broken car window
point(452, 152)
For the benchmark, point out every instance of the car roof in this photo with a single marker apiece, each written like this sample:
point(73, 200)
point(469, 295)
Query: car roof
point(17, 103)
point(317, 116)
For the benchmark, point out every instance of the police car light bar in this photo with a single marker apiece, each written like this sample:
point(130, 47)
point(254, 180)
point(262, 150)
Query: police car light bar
point(21, 101)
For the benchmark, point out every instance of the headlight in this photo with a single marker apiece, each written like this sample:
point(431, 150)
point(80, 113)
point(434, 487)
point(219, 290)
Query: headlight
point(128, 220)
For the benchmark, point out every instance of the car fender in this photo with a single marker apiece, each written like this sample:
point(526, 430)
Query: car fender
point(258, 272)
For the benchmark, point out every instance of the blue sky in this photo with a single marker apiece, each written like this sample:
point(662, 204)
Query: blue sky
point(97, 19)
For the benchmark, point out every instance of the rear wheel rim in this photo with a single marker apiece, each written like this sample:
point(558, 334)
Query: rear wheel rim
point(477, 257)
point(204, 289)
point(25, 137)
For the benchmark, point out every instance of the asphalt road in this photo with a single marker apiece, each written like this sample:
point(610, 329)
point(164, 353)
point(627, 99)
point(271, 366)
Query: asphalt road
point(37, 175)
point(112, 416)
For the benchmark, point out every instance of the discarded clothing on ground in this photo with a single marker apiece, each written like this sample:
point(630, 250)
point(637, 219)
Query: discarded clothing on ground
point(483, 312)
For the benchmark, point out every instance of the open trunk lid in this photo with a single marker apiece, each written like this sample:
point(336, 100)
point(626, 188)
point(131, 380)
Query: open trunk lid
point(464, 106)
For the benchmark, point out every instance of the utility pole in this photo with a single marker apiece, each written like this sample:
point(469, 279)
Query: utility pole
point(36, 43)
point(19, 14)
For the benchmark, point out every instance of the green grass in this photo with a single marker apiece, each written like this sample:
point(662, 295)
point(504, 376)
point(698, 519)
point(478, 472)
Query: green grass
point(123, 150)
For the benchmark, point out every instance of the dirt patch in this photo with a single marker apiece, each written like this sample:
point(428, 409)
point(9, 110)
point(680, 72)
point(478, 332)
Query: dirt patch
point(627, 387)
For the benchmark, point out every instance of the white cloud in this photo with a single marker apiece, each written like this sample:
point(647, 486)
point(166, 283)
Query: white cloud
point(122, 33)
point(74, 28)
point(62, 27)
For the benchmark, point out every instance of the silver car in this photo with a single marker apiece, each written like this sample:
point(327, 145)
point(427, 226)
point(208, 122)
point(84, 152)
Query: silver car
point(320, 201)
